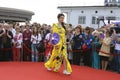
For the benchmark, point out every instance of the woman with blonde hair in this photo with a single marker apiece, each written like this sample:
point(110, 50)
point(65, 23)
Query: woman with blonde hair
point(17, 41)
point(105, 49)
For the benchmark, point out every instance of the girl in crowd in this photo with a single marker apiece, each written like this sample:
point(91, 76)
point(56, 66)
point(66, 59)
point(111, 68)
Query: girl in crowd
point(35, 39)
point(105, 48)
point(49, 47)
point(69, 43)
point(17, 42)
point(59, 51)
point(77, 45)
point(96, 45)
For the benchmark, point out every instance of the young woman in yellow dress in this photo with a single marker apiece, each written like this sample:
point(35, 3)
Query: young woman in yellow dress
point(59, 52)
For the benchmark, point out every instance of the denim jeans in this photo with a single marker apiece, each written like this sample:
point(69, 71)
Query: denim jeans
point(34, 53)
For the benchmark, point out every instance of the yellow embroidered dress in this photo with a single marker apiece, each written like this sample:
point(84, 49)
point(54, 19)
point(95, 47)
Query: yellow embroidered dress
point(58, 51)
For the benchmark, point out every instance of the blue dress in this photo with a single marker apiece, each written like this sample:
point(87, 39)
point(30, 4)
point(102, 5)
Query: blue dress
point(96, 58)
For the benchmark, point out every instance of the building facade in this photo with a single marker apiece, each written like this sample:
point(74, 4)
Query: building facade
point(93, 16)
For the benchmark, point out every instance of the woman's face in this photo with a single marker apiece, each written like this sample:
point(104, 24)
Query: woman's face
point(96, 34)
point(7, 27)
point(87, 31)
point(77, 30)
point(27, 27)
point(17, 29)
point(1, 27)
point(35, 29)
point(61, 19)
point(107, 34)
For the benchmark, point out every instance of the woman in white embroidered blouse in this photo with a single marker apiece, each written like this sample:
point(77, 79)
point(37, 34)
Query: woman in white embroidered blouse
point(17, 41)
point(35, 39)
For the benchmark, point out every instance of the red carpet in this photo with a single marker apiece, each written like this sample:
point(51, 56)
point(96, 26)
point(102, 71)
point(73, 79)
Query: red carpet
point(36, 71)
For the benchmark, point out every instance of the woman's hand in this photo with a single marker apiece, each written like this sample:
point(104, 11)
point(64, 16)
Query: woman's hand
point(9, 35)
point(114, 32)
point(118, 39)
point(2, 34)
point(57, 46)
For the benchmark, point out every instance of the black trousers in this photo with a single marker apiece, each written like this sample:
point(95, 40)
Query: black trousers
point(88, 58)
point(76, 57)
point(6, 55)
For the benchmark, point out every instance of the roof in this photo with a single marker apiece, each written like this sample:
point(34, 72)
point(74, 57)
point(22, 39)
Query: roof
point(13, 14)
point(13, 10)
point(88, 6)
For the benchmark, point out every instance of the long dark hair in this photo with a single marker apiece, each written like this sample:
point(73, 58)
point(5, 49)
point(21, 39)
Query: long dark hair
point(63, 24)
point(33, 31)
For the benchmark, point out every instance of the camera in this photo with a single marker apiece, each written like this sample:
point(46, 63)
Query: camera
point(116, 28)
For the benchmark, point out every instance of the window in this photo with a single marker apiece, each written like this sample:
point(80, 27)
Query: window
point(96, 11)
point(82, 20)
point(82, 11)
point(111, 11)
point(111, 18)
point(94, 20)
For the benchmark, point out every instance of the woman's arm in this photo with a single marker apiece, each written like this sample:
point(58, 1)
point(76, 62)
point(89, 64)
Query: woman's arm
point(39, 37)
point(107, 43)
point(10, 35)
point(20, 39)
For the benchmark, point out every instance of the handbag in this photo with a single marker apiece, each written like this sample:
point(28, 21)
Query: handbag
point(40, 47)
point(84, 47)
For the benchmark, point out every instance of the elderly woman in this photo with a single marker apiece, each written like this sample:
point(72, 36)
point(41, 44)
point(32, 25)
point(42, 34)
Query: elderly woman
point(7, 37)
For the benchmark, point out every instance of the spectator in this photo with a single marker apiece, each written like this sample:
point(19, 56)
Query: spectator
point(7, 37)
point(88, 39)
point(27, 42)
point(117, 51)
point(49, 47)
point(69, 44)
point(35, 39)
point(17, 43)
point(96, 46)
point(77, 45)
point(1, 44)
point(105, 48)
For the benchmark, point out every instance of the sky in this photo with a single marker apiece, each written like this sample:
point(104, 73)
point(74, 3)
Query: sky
point(46, 10)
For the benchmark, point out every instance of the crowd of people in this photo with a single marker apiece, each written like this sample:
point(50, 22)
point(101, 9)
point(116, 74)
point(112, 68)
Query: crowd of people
point(98, 48)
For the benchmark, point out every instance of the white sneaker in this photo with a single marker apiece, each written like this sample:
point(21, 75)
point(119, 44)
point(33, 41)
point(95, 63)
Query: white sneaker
point(66, 72)
point(49, 69)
